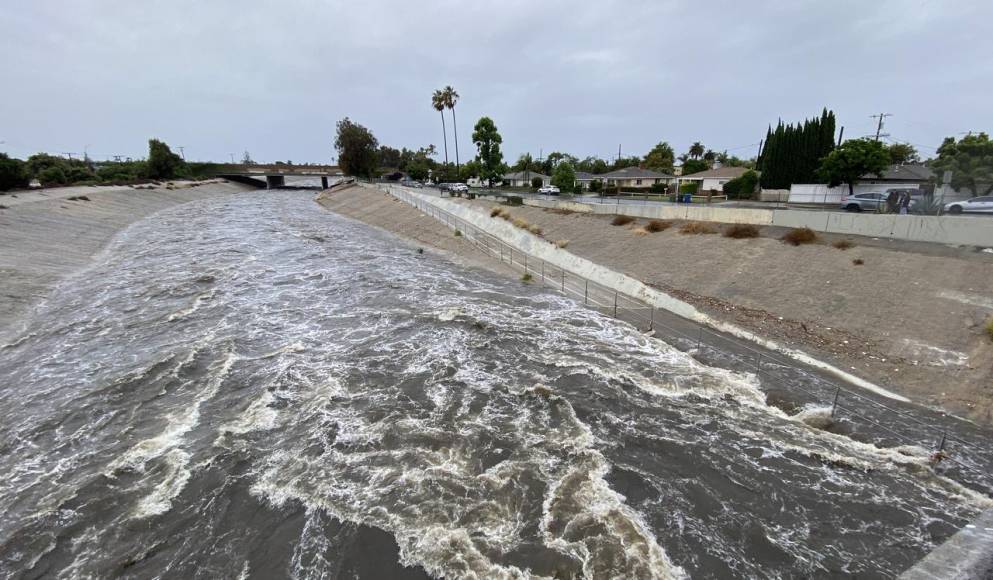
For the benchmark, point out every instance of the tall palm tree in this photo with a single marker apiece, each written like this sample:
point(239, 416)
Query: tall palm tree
point(439, 103)
point(696, 150)
point(451, 97)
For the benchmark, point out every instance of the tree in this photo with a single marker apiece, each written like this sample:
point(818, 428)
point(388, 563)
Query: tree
point(694, 166)
point(660, 158)
point(439, 104)
point(162, 162)
point(696, 150)
point(357, 149)
point(451, 97)
point(536, 182)
point(564, 177)
point(970, 160)
point(389, 157)
point(52, 176)
point(246, 159)
point(418, 169)
point(853, 159)
point(488, 140)
point(13, 173)
point(792, 154)
point(902, 154)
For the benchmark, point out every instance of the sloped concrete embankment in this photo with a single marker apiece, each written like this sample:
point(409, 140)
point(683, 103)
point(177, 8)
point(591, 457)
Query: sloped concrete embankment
point(46, 236)
point(624, 284)
point(957, 230)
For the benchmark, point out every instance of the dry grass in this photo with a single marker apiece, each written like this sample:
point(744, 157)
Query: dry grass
point(622, 220)
point(562, 243)
point(496, 212)
point(458, 234)
point(989, 328)
point(697, 228)
point(521, 223)
point(560, 211)
point(799, 236)
point(640, 231)
point(534, 229)
point(527, 277)
point(741, 231)
point(858, 261)
point(843, 244)
point(658, 226)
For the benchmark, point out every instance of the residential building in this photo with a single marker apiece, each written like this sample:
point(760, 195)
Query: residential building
point(713, 179)
point(585, 179)
point(635, 177)
point(523, 178)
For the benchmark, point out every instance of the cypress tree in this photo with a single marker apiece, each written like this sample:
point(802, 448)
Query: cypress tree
point(792, 153)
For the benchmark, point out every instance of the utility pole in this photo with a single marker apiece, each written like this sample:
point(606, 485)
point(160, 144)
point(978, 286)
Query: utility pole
point(181, 152)
point(879, 126)
point(840, 135)
point(618, 153)
point(232, 158)
point(68, 155)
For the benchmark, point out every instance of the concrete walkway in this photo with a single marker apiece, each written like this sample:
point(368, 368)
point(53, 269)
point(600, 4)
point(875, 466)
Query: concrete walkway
point(968, 555)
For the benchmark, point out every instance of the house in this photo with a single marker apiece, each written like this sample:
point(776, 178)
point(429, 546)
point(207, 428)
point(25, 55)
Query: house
point(635, 177)
point(585, 179)
point(523, 178)
point(713, 179)
point(902, 175)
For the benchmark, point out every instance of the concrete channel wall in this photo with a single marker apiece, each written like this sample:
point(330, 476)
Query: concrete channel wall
point(957, 230)
point(622, 283)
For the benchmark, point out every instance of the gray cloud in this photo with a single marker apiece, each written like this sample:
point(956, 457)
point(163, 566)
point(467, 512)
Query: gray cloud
point(221, 77)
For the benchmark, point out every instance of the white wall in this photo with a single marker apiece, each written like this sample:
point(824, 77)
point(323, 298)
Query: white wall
point(820, 193)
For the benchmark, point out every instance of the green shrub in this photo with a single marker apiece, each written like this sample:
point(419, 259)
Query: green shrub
point(659, 188)
point(596, 186)
point(162, 162)
point(536, 182)
point(989, 328)
point(689, 187)
point(743, 187)
point(611, 190)
point(52, 176)
point(515, 200)
point(13, 173)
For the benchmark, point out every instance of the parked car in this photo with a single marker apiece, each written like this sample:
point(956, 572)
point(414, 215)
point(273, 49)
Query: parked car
point(549, 190)
point(459, 188)
point(875, 200)
point(872, 201)
point(982, 204)
point(411, 183)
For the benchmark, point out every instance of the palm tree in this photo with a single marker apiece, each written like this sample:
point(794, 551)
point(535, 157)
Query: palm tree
point(696, 150)
point(438, 102)
point(451, 97)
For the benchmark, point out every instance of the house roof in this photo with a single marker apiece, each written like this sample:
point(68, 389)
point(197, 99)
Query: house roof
point(634, 173)
point(717, 173)
point(523, 175)
point(904, 173)
point(584, 176)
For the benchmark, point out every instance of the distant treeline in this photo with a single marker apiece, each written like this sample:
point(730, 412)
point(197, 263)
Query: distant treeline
point(53, 171)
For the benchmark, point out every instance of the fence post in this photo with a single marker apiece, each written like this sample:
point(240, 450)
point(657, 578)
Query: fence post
point(651, 321)
point(834, 405)
point(699, 338)
point(615, 303)
point(586, 293)
point(542, 271)
point(563, 280)
point(525, 263)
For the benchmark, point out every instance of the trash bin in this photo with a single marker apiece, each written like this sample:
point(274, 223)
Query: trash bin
point(687, 198)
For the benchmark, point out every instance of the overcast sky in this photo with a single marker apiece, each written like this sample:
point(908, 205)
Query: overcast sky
point(224, 76)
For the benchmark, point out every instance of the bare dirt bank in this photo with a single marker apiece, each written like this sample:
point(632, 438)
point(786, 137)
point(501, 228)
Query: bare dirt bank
point(906, 320)
point(45, 235)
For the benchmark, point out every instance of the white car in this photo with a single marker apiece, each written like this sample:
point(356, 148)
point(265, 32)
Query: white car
point(549, 190)
point(982, 204)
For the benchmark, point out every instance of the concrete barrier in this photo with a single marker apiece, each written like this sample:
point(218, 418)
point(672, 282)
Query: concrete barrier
point(968, 555)
point(956, 230)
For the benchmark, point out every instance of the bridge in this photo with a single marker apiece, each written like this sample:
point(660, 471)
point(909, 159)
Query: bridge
point(275, 175)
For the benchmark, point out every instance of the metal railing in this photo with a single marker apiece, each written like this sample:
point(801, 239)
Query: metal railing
point(649, 318)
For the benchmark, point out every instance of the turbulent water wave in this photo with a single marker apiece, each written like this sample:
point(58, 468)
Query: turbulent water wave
point(252, 388)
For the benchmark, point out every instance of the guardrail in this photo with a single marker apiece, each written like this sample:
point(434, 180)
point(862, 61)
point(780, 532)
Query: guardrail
point(649, 318)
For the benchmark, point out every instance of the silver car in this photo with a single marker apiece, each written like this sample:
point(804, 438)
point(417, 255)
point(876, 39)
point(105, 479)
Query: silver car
point(983, 204)
point(873, 201)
